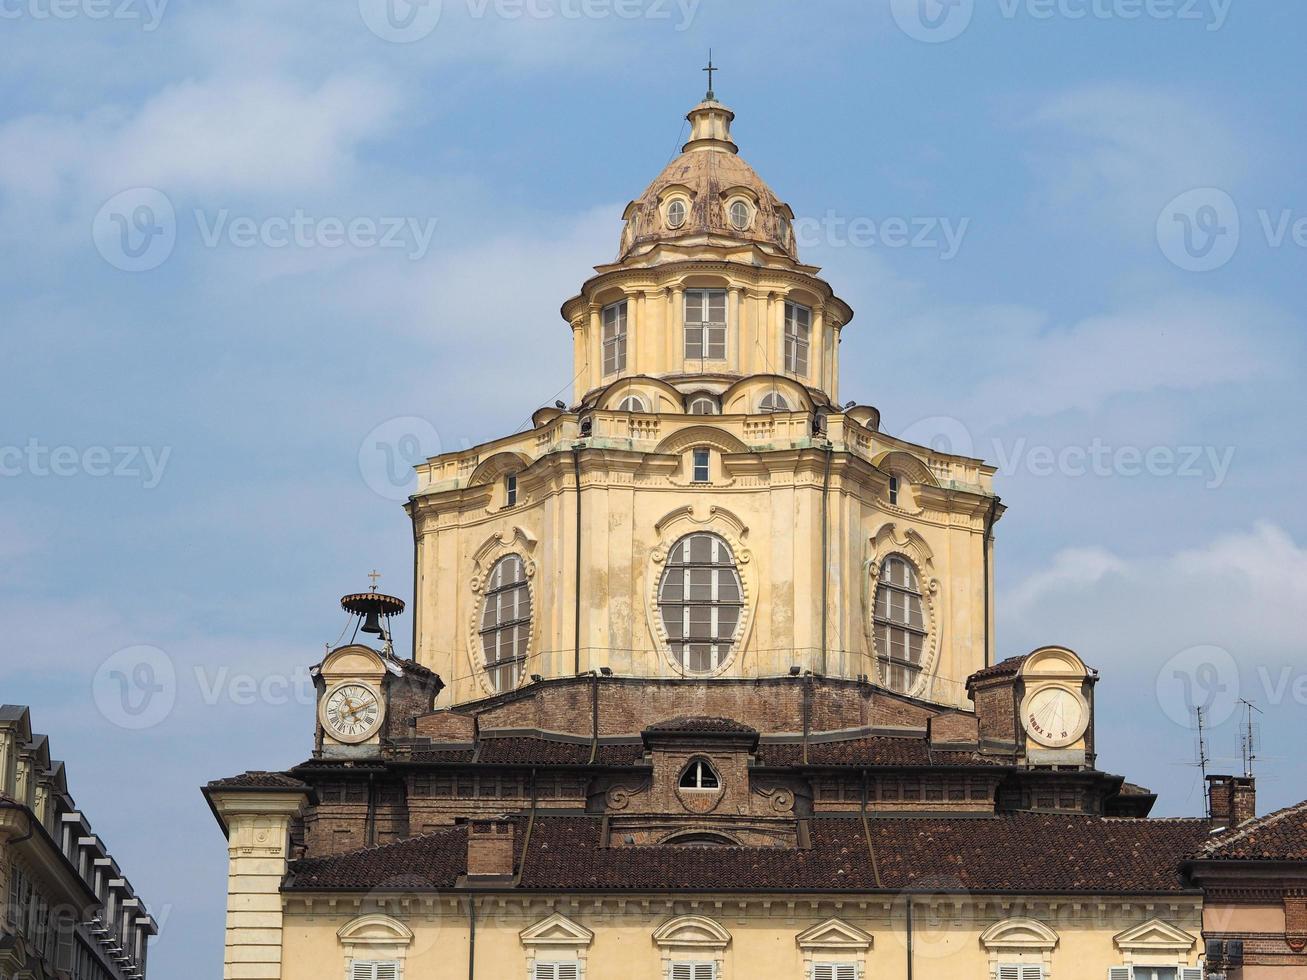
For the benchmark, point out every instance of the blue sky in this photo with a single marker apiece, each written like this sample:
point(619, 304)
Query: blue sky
point(221, 485)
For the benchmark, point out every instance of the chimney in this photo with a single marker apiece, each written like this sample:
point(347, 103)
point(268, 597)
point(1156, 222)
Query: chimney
point(490, 847)
point(1232, 800)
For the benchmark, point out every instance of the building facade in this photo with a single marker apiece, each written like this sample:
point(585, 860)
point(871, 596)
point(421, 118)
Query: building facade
point(69, 911)
point(704, 683)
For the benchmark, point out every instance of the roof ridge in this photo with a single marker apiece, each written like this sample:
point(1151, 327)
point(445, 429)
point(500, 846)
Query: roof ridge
point(1236, 834)
point(375, 848)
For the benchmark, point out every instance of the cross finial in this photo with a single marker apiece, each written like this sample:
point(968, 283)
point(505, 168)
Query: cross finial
point(711, 97)
point(374, 575)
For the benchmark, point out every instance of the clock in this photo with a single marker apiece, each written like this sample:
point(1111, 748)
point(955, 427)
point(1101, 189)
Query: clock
point(351, 712)
point(1055, 716)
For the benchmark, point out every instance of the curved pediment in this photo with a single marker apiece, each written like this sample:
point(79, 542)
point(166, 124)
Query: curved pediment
point(374, 930)
point(1053, 661)
point(696, 931)
point(1019, 934)
point(701, 435)
point(493, 467)
point(745, 396)
point(905, 463)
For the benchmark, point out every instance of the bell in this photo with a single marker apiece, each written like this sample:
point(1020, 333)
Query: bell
point(372, 624)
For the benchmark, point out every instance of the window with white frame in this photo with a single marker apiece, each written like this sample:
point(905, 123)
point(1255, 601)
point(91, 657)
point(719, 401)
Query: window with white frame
point(692, 970)
point(704, 405)
point(1155, 973)
point(773, 401)
point(700, 600)
point(563, 970)
point(614, 317)
point(705, 324)
point(700, 775)
point(374, 970)
point(900, 626)
point(1020, 971)
point(632, 403)
point(506, 623)
point(702, 468)
point(798, 331)
point(834, 971)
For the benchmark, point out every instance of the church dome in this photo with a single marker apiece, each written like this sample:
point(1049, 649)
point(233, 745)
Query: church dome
point(708, 192)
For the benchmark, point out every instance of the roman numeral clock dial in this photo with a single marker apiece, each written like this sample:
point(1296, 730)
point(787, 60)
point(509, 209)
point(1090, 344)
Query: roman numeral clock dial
point(1055, 717)
point(351, 713)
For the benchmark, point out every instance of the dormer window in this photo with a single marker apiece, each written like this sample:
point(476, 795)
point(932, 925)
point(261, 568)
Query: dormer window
point(741, 215)
point(704, 405)
point(700, 775)
point(773, 402)
point(676, 213)
point(614, 317)
point(632, 403)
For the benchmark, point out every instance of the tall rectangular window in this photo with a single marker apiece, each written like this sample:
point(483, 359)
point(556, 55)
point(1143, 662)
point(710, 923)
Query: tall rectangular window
point(798, 332)
point(705, 324)
point(701, 474)
point(510, 490)
point(614, 317)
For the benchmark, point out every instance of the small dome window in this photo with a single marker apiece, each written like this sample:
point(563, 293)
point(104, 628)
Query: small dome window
point(704, 405)
point(700, 775)
point(676, 213)
point(633, 403)
point(773, 402)
point(741, 215)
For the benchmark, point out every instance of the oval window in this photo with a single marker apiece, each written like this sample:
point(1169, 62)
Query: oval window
point(900, 624)
point(740, 215)
point(701, 602)
point(676, 213)
point(506, 623)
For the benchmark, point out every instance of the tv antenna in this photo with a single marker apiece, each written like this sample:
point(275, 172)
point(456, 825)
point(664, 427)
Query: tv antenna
point(1248, 739)
point(1202, 757)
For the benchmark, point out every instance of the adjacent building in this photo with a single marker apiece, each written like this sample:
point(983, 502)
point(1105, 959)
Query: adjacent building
point(69, 912)
point(704, 686)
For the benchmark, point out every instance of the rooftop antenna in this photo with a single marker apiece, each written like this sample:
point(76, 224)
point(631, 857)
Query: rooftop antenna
point(1249, 738)
point(1202, 758)
point(371, 608)
point(711, 96)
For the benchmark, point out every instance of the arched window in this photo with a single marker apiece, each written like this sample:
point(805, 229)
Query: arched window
point(700, 600)
point(506, 623)
point(632, 403)
point(900, 624)
point(676, 213)
point(700, 775)
point(704, 405)
point(773, 401)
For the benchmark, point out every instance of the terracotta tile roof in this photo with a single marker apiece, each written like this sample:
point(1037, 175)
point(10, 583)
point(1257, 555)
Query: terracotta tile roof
point(871, 750)
point(1279, 836)
point(1017, 853)
point(1004, 668)
point(259, 780)
point(545, 752)
point(702, 726)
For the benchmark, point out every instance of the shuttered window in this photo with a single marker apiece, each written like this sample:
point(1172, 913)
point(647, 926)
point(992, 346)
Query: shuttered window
point(1020, 971)
point(506, 623)
point(700, 600)
point(569, 970)
point(798, 328)
point(693, 971)
point(374, 970)
point(1118, 973)
point(614, 317)
point(834, 971)
point(705, 324)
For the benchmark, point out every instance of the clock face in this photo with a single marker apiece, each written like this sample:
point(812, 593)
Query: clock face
point(1055, 717)
point(352, 713)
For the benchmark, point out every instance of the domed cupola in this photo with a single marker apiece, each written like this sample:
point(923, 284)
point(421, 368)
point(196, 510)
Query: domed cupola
point(707, 195)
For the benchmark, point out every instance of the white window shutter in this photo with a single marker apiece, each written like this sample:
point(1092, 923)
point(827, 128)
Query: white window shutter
point(362, 971)
point(1120, 973)
point(705, 971)
point(1191, 973)
point(1009, 971)
point(682, 971)
point(1032, 971)
point(386, 971)
point(823, 971)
